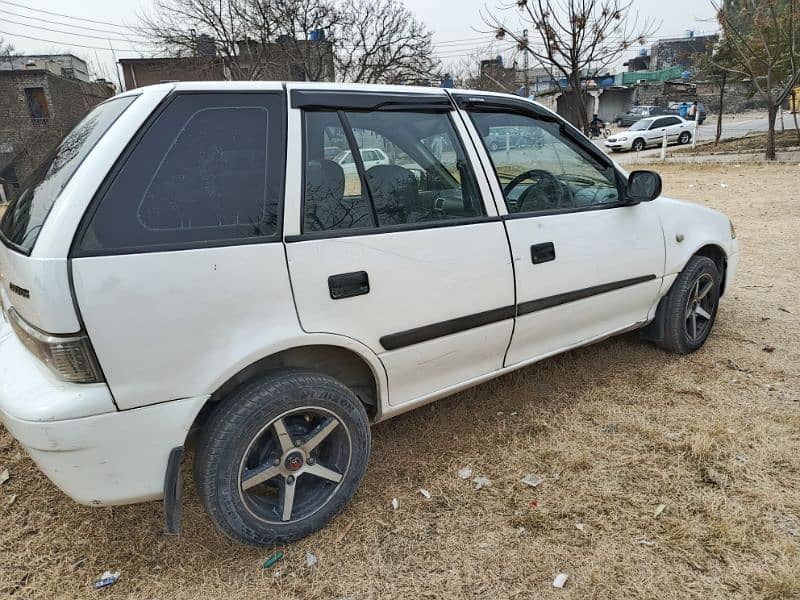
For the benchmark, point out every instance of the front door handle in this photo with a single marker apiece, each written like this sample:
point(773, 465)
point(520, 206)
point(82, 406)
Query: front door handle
point(347, 285)
point(541, 253)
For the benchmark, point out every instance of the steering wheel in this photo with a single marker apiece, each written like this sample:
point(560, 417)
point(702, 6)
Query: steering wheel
point(547, 193)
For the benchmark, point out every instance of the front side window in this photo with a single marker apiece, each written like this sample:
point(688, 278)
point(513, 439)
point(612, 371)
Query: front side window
point(207, 171)
point(540, 169)
point(413, 170)
point(27, 213)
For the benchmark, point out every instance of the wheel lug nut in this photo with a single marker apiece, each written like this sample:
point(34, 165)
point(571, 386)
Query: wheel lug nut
point(310, 460)
point(290, 479)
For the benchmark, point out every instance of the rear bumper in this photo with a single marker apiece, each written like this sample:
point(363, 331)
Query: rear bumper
point(94, 453)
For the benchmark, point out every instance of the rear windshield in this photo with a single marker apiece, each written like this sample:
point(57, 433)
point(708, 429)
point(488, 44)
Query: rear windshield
point(27, 213)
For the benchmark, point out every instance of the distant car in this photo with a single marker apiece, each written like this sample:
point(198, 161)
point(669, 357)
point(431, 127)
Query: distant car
point(637, 113)
point(370, 156)
point(650, 132)
point(331, 152)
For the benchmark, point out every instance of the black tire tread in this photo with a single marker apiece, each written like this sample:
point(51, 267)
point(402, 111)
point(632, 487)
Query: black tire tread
point(675, 339)
point(251, 406)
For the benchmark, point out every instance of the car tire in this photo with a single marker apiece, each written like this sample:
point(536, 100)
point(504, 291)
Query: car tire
point(685, 138)
point(494, 146)
point(685, 328)
point(258, 455)
point(638, 145)
point(619, 123)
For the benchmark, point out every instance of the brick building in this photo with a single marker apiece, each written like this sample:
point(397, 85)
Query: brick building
point(289, 60)
point(37, 108)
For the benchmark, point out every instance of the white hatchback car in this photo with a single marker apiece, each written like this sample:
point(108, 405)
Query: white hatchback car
point(651, 132)
point(189, 260)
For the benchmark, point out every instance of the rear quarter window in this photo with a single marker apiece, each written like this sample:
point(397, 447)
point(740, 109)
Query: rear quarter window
point(25, 216)
point(207, 171)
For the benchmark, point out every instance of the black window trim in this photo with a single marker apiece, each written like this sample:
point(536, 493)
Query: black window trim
point(28, 251)
point(377, 229)
point(75, 250)
point(369, 101)
point(471, 103)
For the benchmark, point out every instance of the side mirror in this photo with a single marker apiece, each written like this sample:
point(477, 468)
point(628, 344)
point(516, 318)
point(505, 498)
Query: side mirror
point(643, 186)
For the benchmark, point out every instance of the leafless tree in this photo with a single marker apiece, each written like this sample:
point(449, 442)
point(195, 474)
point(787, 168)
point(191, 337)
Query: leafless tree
point(365, 40)
point(382, 42)
point(764, 38)
point(7, 51)
point(575, 38)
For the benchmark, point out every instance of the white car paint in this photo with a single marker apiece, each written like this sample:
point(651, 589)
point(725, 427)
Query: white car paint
point(170, 328)
point(370, 157)
point(651, 131)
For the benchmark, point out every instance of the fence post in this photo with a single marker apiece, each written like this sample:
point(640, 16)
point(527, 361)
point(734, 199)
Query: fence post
point(664, 146)
point(694, 134)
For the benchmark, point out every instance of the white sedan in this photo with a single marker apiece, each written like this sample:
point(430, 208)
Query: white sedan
point(650, 132)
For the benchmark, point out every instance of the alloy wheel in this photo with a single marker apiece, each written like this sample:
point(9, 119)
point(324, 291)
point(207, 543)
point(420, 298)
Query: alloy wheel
point(294, 465)
point(700, 307)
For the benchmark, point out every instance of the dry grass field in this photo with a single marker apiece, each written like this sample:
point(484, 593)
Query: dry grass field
point(614, 430)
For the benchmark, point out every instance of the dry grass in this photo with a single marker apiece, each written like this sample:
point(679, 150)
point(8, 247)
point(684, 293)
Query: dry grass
point(614, 430)
point(750, 143)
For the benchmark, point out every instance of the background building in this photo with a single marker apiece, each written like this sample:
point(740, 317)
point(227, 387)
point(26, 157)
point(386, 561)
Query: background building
point(38, 106)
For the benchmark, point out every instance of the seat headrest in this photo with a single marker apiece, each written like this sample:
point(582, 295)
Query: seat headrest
point(395, 192)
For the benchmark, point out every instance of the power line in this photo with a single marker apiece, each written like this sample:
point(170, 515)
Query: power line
point(38, 39)
point(55, 14)
point(84, 35)
point(42, 19)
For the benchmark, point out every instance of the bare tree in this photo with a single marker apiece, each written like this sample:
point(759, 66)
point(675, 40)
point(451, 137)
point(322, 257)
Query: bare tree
point(764, 38)
point(382, 42)
point(367, 41)
point(576, 38)
point(7, 51)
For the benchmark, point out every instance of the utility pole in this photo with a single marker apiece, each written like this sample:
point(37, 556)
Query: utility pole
point(525, 61)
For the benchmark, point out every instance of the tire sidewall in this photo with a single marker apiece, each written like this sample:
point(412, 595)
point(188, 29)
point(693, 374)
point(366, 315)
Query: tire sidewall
point(638, 145)
point(676, 336)
point(232, 428)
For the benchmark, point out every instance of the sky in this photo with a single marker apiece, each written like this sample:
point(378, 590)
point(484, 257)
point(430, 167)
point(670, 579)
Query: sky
point(459, 30)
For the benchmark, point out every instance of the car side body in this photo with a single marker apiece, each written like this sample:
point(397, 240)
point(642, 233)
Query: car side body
point(180, 312)
point(650, 132)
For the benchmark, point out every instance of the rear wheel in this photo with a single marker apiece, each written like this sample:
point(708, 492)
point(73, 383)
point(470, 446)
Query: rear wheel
point(638, 145)
point(685, 137)
point(619, 123)
point(691, 306)
point(280, 457)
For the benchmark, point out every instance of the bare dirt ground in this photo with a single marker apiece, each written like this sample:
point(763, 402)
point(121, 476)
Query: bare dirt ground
point(614, 431)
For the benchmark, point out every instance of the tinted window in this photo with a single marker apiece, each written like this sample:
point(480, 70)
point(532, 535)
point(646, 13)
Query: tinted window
point(208, 170)
point(670, 121)
point(422, 173)
point(26, 215)
point(543, 170)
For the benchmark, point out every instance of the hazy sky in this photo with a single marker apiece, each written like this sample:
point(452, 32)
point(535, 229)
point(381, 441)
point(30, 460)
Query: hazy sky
point(457, 25)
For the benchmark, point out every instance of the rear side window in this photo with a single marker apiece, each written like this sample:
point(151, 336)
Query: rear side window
point(26, 215)
point(208, 171)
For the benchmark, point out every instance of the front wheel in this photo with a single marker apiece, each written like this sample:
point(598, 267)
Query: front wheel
point(638, 145)
point(280, 457)
point(691, 306)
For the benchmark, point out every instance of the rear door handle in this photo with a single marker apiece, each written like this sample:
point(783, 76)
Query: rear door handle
point(347, 285)
point(541, 253)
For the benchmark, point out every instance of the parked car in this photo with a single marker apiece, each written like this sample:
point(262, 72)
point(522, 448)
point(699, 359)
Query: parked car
point(681, 109)
point(188, 262)
point(370, 156)
point(637, 113)
point(650, 132)
point(512, 137)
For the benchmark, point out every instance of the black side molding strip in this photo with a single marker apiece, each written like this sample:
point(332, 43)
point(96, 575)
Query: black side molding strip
point(542, 303)
point(429, 332)
point(394, 341)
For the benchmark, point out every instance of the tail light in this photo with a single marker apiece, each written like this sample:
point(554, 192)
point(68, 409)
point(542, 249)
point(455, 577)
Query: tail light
point(70, 357)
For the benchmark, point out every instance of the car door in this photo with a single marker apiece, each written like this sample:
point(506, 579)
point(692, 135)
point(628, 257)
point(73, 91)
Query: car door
point(674, 126)
point(409, 258)
point(655, 133)
point(586, 265)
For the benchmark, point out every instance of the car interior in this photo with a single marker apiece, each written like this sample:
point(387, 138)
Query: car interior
point(427, 178)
